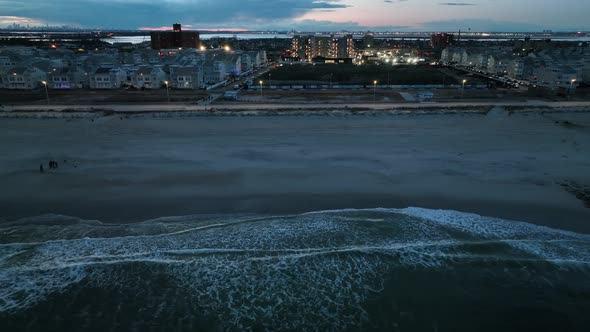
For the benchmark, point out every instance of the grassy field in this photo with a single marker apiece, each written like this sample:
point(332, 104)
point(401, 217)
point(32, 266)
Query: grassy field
point(349, 74)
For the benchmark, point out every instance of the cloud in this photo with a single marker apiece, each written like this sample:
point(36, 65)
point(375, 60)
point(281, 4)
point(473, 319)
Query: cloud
point(7, 20)
point(329, 26)
point(456, 4)
point(136, 13)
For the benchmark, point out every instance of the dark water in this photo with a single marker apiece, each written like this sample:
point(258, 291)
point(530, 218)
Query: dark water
point(392, 270)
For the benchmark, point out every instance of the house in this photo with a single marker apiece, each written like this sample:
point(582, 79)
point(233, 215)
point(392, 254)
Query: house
point(190, 77)
point(520, 68)
point(498, 64)
point(22, 77)
point(247, 63)
point(233, 64)
point(213, 72)
point(68, 78)
point(107, 78)
point(148, 77)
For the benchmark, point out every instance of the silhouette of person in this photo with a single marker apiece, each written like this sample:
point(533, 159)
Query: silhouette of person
point(41, 168)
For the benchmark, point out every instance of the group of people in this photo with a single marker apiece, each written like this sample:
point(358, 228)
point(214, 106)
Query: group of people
point(52, 165)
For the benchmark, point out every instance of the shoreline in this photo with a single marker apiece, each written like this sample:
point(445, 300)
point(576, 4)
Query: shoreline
point(132, 211)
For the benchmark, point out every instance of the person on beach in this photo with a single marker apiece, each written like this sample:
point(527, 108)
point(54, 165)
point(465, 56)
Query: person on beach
point(41, 168)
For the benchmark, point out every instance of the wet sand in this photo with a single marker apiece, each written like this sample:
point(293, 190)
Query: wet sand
point(499, 165)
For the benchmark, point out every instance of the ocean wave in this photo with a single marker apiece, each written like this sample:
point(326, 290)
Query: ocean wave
point(242, 267)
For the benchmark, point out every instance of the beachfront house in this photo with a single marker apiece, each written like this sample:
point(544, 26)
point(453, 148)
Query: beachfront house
point(233, 64)
point(189, 77)
point(148, 77)
point(67, 78)
point(107, 78)
point(214, 72)
point(25, 78)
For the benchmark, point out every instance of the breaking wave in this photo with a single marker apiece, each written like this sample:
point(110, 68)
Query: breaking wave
point(327, 270)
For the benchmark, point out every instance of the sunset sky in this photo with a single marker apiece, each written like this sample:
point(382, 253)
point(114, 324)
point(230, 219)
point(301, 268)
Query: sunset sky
point(305, 15)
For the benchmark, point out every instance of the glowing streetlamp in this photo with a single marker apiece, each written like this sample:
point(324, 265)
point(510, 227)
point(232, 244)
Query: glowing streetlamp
point(167, 90)
point(46, 91)
point(374, 91)
point(261, 88)
point(571, 88)
point(463, 88)
point(227, 48)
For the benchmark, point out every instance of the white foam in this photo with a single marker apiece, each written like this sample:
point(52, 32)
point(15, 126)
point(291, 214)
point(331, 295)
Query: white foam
point(252, 267)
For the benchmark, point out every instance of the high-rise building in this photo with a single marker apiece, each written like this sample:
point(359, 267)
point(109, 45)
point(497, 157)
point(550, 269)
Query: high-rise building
point(175, 38)
point(368, 41)
point(441, 40)
point(310, 47)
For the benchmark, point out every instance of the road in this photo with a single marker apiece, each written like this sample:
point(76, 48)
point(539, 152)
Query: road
point(126, 108)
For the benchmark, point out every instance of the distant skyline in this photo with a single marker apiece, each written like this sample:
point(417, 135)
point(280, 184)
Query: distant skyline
point(304, 15)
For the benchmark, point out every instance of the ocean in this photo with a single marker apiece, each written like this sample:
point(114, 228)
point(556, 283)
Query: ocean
point(407, 269)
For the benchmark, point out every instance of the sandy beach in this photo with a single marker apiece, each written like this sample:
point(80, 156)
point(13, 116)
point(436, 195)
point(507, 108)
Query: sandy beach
point(114, 169)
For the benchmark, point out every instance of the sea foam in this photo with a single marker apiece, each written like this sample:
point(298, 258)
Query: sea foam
point(238, 269)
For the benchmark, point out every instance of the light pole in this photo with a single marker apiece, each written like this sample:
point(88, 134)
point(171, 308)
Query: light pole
point(269, 80)
point(374, 91)
point(261, 88)
point(46, 91)
point(463, 88)
point(571, 88)
point(167, 91)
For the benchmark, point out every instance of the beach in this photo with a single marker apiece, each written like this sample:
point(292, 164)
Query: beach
point(307, 221)
point(127, 169)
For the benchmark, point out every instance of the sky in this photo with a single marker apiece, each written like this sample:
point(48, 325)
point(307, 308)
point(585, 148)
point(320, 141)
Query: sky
point(305, 15)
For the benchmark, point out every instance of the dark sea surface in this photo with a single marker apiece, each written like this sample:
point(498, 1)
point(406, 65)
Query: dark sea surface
point(347, 270)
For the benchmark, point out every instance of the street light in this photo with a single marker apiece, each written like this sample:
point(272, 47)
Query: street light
point(46, 91)
point(571, 88)
point(269, 79)
point(463, 88)
point(167, 90)
point(261, 88)
point(374, 91)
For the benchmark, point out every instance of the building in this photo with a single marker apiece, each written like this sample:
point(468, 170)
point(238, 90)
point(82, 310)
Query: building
point(175, 38)
point(67, 78)
point(331, 47)
point(441, 40)
point(107, 78)
point(298, 49)
point(214, 71)
point(148, 77)
point(368, 41)
point(24, 77)
point(189, 77)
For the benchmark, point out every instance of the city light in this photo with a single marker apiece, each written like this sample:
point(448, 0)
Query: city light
point(227, 48)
